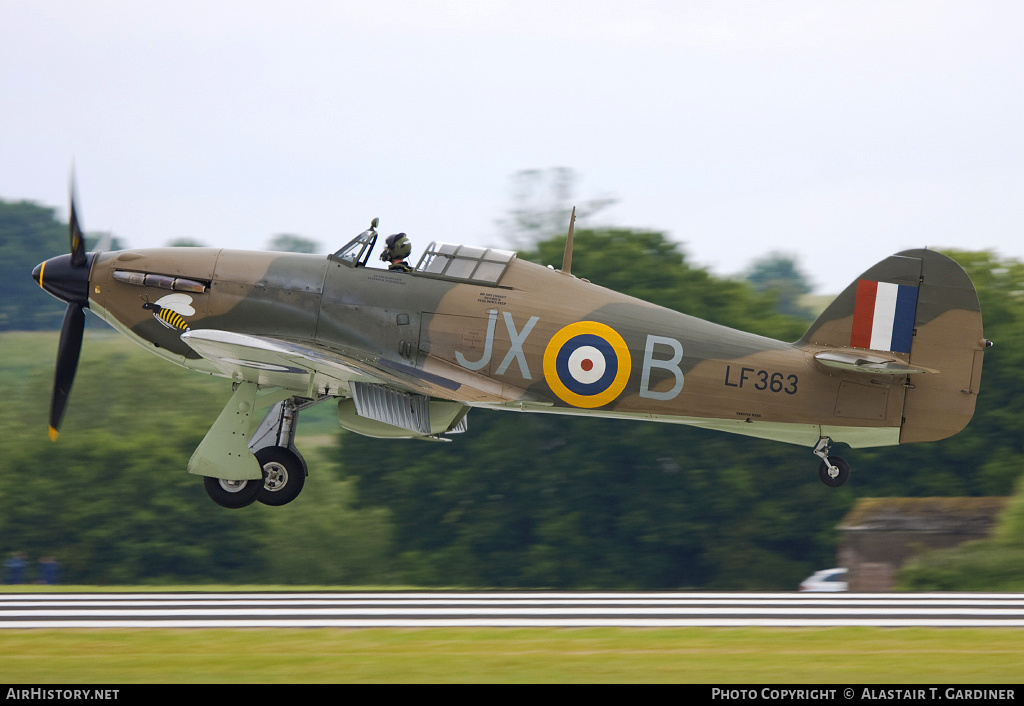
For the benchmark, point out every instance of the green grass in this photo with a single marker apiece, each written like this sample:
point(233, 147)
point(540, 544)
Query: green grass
point(513, 655)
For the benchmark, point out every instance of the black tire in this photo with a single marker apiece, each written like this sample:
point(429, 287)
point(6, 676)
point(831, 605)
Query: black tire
point(232, 494)
point(844, 472)
point(283, 476)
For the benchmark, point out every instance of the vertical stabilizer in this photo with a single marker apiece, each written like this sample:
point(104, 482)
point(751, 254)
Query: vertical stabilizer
point(919, 308)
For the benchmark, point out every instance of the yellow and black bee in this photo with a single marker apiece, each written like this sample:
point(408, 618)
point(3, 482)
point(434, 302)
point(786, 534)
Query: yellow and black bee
point(172, 310)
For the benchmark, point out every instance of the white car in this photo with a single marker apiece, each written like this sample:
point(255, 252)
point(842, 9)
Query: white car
point(830, 580)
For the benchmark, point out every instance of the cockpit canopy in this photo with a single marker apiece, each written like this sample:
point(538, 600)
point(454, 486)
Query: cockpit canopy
point(356, 251)
point(464, 263)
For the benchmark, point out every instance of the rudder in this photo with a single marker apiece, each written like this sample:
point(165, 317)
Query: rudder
point(948, 337)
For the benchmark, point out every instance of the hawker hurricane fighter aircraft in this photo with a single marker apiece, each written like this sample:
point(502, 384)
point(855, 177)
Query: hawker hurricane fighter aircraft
point(895, 359)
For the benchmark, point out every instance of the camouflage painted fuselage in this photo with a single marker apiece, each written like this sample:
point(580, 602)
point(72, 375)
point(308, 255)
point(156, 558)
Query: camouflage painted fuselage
point(538, 340)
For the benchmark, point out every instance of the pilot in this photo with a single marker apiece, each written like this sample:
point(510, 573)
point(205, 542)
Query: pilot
point(396, 248)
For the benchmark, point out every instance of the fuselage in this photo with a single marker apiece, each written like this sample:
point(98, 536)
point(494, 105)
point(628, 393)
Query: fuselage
point(542, 341)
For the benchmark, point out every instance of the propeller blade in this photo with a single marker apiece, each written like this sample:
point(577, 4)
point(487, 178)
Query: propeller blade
point(67, 362)
point(77, 240)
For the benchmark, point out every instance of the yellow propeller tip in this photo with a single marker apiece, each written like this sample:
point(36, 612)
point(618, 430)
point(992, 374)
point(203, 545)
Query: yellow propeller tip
point(53, 434)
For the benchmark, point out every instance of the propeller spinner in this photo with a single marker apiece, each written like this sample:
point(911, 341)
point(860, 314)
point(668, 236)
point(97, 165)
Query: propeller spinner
point(67, 278)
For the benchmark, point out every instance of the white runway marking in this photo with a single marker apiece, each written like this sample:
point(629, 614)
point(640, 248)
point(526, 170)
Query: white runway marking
point(424, 609)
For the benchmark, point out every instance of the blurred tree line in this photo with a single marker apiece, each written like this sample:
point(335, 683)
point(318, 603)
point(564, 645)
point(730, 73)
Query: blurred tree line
point(29, 234)
point(521, 500)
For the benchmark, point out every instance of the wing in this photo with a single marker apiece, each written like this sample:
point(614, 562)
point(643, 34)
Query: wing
point(308, 370)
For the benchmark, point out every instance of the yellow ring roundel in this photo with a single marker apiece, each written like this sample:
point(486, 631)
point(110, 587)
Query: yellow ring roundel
point(587, 364)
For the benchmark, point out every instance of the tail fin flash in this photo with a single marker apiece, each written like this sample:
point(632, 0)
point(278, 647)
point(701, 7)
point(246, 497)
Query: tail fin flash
point(916, 313)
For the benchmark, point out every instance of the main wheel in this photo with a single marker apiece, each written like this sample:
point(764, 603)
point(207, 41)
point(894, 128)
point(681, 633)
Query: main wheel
point(840, 478)
point(231, 494)
point(283, 476)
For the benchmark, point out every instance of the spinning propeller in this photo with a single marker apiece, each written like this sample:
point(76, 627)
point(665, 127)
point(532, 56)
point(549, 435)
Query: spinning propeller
point(67, 278)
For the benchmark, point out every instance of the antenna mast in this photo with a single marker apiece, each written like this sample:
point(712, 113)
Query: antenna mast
point(567, 255)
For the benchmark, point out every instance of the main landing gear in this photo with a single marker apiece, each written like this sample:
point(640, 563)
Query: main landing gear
point(834, 470)
point(284, 474)
point(231, 493)
point(272, 444)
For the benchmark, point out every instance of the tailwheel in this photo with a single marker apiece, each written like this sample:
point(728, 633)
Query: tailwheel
point(834, 471)
point(283, 476)
point(232, 494)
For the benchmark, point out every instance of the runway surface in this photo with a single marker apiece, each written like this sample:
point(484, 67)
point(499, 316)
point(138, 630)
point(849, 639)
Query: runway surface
point(349, 610)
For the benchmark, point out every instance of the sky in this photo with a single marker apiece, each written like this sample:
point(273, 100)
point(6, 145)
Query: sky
point(836, 132)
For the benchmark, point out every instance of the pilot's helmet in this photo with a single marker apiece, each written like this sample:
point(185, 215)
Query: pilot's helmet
point(396, 247)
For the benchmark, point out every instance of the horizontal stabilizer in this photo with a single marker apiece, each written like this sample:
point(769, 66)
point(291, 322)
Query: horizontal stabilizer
point(864, 363)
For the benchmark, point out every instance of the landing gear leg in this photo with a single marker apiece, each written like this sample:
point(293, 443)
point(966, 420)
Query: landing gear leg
point(284, 469)
point(834, 470)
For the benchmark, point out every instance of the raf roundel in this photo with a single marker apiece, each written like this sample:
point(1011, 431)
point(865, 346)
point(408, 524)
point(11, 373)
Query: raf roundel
point(586, 364)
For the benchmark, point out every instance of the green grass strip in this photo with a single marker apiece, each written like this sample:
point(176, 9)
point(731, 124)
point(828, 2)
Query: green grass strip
point(513, 655)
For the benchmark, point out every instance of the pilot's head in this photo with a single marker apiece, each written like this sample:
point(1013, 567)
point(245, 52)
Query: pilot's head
point(396, 247)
